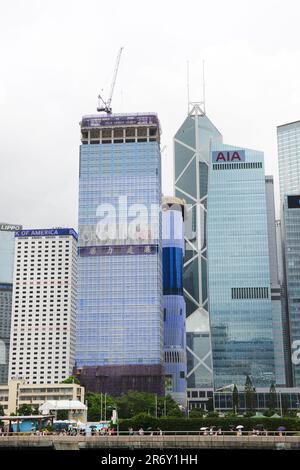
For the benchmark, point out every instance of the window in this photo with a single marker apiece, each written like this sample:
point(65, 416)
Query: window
point(249, 293)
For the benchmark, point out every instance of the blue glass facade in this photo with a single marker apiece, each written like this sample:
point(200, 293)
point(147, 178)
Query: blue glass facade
point(172, 271)
point(119, 319)
point(173, 301)
point(238, 270)
point(7, 250)
point(291, 233)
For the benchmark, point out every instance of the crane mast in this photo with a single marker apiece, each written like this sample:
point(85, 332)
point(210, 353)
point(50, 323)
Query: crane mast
point(106, 105)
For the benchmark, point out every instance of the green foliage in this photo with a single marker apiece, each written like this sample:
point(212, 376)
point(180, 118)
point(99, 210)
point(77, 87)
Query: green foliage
point(95, 402)
point(273, 397)
point(235, 399)
point(270, 412)
point(167, 405)
point(62, 415)
point(290, 413)
point(212, 414)
point(26, 410)
point(230, 414)
point(210, 404)
point(71, 380)
point(194, 424)
point(196, 413)
point(285, 405)
point(250, 395)
point(131, 404)
point(134, 403)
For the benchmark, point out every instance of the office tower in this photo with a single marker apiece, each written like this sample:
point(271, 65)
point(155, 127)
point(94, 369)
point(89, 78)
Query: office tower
point(173, 300)
point(239, 269)
point(288, 141)
point(42, 348)
point(284, 305)
point(279, 322)
point(291, 235)
point(192, 146)
point(279, 252)
point(7, 246)
point(120, 323)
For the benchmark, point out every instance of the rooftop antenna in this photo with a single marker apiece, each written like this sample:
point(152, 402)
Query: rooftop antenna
point(106, 105)
point(196, 107)
point(188, 84)
point(203, 84)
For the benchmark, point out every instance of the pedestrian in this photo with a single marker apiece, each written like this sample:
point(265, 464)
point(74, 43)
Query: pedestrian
point(141, 431)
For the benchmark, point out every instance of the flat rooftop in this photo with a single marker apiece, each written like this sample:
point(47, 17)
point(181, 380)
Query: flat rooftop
point(46, 232)
point(288, 124)
point(128, 119)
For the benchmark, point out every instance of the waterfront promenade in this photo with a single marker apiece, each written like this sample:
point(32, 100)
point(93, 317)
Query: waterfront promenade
point(289, 441)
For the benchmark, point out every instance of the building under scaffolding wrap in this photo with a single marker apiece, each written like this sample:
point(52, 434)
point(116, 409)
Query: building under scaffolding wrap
point(119, 319)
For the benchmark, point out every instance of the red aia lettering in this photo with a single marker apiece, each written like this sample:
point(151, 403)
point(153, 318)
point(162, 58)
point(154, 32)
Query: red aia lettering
point(229, 157)
point(235, 156)
point(221, 157)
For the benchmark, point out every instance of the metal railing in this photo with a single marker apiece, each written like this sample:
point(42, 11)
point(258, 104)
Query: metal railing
point(152, 434)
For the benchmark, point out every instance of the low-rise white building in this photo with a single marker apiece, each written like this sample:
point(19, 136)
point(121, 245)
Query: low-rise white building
point(18, 393)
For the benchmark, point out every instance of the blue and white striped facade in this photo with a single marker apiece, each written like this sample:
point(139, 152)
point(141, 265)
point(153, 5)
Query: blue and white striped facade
point(173, 300)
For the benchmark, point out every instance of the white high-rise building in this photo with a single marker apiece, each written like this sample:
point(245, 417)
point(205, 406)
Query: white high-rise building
point(42, 348)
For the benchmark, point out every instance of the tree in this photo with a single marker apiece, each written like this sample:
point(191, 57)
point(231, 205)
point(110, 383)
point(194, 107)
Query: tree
point(168, 406)
point(235, 399)
point(196, 413)
point(210, 404)
point(62, 415)
point(273, 397)
point(133, 403)
point(25, 410)
point(98, 405)
point(1, 414)
point(284, 404)
point(212, 414)
point(71, 380)
point(250, 395)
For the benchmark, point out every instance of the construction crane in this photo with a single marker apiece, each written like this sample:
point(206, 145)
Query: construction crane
point(106, 105)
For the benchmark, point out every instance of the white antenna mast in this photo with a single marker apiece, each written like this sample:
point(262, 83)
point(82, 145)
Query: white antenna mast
point(203, 79)
point(196, 107)
point(188, 84)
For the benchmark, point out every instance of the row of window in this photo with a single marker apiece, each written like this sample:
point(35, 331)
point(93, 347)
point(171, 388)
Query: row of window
point(250, 293)
point(237, 166)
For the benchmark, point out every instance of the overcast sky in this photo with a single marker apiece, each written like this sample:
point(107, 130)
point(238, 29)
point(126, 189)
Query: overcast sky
point(56, 56)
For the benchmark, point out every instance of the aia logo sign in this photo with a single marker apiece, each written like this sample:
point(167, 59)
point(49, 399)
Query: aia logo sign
point(228, 156)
